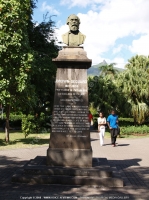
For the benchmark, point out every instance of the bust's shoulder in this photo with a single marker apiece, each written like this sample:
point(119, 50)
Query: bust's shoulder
point(81, 34)
point(65, 38)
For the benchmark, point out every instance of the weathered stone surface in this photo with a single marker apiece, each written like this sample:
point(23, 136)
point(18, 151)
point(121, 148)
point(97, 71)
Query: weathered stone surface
point(70, 136)
point(68, 180)
point(70, 127)
point(101, 172)
point(37, 172)
point(69, 157)
point(76, 57)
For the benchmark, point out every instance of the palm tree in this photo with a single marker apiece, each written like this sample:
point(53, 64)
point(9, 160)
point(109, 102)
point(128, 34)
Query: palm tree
point(104, 94)
point(108, 70)
point(134, 83)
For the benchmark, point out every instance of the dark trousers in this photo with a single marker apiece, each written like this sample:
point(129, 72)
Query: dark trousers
point(114, 133)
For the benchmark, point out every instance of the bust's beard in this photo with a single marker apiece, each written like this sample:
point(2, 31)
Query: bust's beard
point(74, 28)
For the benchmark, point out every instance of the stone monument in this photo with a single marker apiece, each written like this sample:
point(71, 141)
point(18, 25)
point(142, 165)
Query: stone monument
point(69, 156)
point(70, 136)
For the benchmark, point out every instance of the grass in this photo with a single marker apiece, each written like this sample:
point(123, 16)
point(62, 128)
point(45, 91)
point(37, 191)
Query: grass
point(17, 140)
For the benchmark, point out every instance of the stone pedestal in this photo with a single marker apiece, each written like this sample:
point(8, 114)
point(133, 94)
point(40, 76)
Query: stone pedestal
point(37, 172)
point(70, 136)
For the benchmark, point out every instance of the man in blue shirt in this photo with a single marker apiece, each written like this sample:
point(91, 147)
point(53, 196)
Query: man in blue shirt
point(112, 122)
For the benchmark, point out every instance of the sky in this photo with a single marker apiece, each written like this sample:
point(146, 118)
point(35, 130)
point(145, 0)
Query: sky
point(115, 30)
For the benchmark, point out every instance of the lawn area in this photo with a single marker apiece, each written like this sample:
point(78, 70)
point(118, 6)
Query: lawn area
point(17, 140)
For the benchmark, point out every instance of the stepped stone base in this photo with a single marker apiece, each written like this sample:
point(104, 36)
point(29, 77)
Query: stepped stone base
point(68, 157)
point(37, 172)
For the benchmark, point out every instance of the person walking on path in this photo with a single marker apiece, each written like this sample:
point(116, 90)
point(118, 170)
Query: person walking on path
point(101, 127)
point(90, 119)
point(112, 122)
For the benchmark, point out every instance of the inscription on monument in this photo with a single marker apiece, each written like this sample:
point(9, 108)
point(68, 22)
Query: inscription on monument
point(71, 111)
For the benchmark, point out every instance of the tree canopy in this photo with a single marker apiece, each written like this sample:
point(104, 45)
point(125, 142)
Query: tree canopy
point(134, 83)
point(126, 91)
point(15, 53)
point(42, 42)
point(27, 73)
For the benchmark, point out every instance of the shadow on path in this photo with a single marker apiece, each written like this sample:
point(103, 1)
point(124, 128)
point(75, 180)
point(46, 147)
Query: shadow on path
point(134, 176)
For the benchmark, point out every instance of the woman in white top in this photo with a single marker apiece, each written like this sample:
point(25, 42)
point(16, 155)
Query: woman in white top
point(101, 127)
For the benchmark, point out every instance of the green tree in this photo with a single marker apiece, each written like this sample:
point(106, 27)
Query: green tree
point(108, 70)
point(15, 53)
point(134, 83)
point(42, 41)
point(104, 94)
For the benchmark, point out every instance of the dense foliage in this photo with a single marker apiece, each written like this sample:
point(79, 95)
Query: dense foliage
point(27, 73)
point(134, 84)
point(104, 93)
point(127, 91)
point(15, 53)
point(42, 42)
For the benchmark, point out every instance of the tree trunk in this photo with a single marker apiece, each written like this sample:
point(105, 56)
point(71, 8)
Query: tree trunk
point(135, 121)
point(7, 123)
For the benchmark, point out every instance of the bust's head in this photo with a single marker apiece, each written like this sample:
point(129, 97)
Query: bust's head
point(73, 21)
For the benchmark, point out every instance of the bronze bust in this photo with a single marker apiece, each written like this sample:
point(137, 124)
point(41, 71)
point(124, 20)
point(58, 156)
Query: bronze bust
point(73, 37)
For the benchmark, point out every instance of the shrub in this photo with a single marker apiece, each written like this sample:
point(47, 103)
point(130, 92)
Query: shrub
point(32, 124)
point(126, 121)
point(135, 130)
point(28, 125)
point(14, 120)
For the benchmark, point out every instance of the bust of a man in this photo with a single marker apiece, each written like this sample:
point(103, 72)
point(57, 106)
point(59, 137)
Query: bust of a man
point(74, 37)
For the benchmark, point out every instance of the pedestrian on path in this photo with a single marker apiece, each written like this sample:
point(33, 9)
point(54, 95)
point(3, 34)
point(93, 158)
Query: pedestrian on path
point(90, 119)
point(112, 122)
point(101, 127)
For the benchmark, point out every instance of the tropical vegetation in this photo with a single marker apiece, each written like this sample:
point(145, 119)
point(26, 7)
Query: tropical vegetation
point(127, 91)
point(27, 75)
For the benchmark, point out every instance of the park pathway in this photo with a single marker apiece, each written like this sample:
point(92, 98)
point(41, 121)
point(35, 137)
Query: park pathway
point(129, 158)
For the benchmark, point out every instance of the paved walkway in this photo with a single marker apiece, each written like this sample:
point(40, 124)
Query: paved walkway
point(130, 158)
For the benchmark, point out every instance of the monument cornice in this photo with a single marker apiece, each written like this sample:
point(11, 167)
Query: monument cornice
point(72, 56)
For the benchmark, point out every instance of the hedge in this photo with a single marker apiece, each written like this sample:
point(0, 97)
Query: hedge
point(144, 129)
point(14, 120)
point(28, 124)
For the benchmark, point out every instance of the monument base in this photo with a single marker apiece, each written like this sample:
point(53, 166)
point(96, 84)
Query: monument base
point(69, 157)
point(100, 174)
